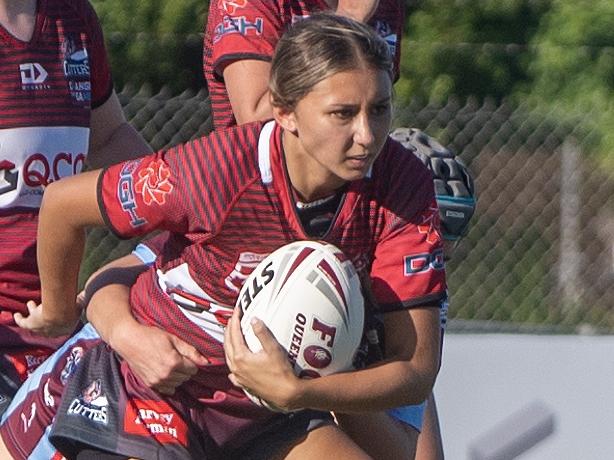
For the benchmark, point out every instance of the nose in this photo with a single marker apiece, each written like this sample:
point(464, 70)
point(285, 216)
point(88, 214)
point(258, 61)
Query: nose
point(363, 130)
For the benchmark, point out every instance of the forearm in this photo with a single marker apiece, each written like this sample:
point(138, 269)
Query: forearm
point(360, 10)
point(124, 143)
point(107, 294)
point(381, 387)
point(109, 312)
point(69, 207)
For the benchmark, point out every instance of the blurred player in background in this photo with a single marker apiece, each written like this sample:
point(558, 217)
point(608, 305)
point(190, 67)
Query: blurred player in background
point(332, 88)
point(59, 111)
point(240, 38)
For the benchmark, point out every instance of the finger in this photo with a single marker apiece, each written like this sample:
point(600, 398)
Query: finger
point(264, 335)
point(234, 381)
point(235, 335)
point(31, 306)
point(20, 320)
point(190, 353)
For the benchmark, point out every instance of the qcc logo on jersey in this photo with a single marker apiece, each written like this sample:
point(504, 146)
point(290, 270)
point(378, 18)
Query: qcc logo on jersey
point(76, 66)
point(8, 177)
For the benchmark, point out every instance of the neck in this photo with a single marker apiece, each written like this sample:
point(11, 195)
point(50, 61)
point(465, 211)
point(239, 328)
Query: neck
point(18, 17)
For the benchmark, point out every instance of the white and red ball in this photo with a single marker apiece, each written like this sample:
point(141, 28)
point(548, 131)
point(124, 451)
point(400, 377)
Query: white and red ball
point(308, 294)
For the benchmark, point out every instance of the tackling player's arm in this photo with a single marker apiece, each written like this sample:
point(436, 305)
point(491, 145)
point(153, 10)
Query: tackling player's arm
point(160, 359)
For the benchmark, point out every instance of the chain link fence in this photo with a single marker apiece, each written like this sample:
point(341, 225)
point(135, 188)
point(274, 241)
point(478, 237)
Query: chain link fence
point(538, 257)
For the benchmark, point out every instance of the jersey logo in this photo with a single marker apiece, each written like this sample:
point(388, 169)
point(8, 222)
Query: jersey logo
point(156, 419)
point(8, 178)
point(154, 182)
point(231, 6)
point(33, 76)
point(385, 31)
point(76, 68)
point(423, 263)
point(244, 266)
point(238, 25)
point(429, 225)
point(92, 404)
point(125, 193)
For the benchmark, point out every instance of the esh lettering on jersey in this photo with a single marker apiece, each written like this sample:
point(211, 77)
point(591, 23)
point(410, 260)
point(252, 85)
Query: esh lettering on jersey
point(125, 193)
point(238, 25)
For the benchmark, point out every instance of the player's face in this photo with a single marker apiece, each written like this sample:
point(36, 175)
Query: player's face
point(337, 130)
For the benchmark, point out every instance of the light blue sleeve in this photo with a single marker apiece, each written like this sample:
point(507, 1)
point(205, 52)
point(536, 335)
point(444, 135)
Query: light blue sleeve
point(146, 255)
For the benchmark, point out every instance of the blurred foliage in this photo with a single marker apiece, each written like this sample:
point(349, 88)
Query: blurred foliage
point(557, 55)
point(467, 47)
point(573, 67)
point(154, 42)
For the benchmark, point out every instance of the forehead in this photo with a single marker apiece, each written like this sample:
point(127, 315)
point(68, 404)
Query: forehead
point(362, 83)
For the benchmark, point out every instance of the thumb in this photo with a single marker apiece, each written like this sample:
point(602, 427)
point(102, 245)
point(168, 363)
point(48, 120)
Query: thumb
point(20, 317)
point(188, 351)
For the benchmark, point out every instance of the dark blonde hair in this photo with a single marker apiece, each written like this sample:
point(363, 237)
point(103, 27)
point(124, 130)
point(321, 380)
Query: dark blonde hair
point(317, 47)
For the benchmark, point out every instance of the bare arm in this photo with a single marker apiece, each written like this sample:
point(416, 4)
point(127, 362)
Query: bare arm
point(112, 138)
point(247, 85)
point(405, 377)
point(68, 207)
point(160, 359)
point(360, 10)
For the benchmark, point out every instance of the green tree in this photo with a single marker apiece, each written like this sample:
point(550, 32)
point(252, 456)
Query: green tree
point(154, 41)
point(573, 67)
point(467, 47)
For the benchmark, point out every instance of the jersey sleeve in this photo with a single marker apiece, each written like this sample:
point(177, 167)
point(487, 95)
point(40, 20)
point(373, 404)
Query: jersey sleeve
point(243, 30)
point(187, 189)
point(100, 73)
point(389, 22)
point(408, 269)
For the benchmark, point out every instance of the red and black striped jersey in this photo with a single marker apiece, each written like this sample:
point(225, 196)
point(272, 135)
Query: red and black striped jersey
point(250, 29)
point(48, 87)
point(227, 202)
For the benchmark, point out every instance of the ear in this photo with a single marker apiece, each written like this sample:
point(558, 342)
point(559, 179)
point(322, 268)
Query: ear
point(285, 118)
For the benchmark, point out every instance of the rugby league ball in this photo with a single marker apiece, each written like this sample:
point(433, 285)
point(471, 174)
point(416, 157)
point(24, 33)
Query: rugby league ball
point(308, 294)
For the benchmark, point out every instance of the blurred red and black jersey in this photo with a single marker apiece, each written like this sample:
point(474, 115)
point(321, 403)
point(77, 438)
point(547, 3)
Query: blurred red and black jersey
point(250, 29)
point(227, 202)
point(48, 87)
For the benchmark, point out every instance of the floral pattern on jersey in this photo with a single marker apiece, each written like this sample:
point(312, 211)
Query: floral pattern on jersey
point(154, 182)
point(231, 6)
point(430, 224)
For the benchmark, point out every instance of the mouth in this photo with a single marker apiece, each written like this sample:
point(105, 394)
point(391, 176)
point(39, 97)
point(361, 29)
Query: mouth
point(359, 160)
